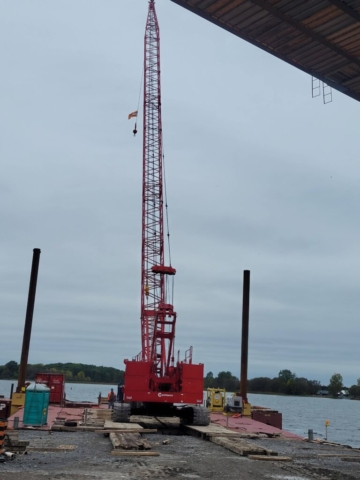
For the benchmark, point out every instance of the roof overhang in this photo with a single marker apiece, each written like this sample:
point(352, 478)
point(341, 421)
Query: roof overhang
point(319, 37)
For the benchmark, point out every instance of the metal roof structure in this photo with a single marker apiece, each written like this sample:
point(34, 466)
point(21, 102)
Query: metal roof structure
point(320, 37)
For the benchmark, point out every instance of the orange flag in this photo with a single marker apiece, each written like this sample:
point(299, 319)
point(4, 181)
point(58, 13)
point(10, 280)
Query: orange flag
point(132, 114)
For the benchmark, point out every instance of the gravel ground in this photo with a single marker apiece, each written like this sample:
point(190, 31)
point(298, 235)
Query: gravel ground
point(184, 457)
point(313, 460)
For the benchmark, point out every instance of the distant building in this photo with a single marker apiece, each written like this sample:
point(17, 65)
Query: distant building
point(322, 392)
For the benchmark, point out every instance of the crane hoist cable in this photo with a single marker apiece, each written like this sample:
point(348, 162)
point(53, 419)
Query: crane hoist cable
point(138, 107)
point(167, 231)
point(135, 113)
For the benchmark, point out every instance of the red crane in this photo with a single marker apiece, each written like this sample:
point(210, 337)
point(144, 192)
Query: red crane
point(154, 380)
point(154, 310)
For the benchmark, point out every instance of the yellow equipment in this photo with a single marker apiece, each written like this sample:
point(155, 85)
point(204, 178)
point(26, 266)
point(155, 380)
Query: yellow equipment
point(246, 411)
point(17, 402)
point(215, 399)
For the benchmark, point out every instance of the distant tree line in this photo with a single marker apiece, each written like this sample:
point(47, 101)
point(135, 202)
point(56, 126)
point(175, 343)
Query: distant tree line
point(223, 380)
point(286, 383)
point(354, 390)
point(74, 372)
point(336, 387)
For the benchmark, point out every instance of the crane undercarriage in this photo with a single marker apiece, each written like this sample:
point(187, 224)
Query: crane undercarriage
point(188, 414)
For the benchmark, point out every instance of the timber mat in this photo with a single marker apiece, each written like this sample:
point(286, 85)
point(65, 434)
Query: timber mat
point(3, 427)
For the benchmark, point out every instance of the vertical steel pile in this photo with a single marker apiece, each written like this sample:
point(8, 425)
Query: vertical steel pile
point(245, 335)
point(28, 319)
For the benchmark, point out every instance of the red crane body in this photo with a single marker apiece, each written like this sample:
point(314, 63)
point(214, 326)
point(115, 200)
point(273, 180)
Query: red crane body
point(154, 376)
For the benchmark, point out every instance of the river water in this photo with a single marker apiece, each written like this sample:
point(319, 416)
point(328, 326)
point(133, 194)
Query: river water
point(299, 413)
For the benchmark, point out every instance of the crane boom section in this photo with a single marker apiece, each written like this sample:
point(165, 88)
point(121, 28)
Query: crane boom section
point(152, 284)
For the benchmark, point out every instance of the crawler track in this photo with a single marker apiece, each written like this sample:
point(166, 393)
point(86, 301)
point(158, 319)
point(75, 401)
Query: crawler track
point(121, 412)
point(199, 416)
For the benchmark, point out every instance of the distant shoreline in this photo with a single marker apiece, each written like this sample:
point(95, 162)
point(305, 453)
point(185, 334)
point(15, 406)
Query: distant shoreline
point(66, 381)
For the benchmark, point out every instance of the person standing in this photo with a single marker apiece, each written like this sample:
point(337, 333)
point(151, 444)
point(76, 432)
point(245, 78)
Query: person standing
point(111, 398)
point(119, 396)
point(121, 393)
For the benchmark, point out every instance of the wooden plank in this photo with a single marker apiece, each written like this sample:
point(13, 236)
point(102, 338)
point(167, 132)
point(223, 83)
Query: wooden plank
point(99, 414)
point(129, 441)
point(48, 449)
point(210, 428)
point(88, 428)
point(61, 428)
point(241, 447)
point(146, 444)
point(128, 430)
point(80, 428)
point(218, 430)
point(116, 443)
point(118, 425)
point(213, 431)
point(125, 441)
point(268, 458)
point(15, 447)
point(95, 425)
point(156, 421)
point(226, 434)
point(337, 455)
point(16, 443)
point(141, 453)
point(12, 433)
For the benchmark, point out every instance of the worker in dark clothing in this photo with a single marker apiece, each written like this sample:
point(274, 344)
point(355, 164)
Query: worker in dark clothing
point(120, 393)
point(111, 398)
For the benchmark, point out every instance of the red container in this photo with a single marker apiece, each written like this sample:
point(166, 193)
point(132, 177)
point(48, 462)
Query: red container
point(269, 417)
point(5, 407)
point(56, 383)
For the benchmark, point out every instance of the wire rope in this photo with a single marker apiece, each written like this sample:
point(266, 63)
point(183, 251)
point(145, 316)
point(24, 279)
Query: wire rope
point(166, 211)
point(167, 228)
point(141, 84)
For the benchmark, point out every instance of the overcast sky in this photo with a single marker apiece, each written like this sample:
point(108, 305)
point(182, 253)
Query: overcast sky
point(260, 176)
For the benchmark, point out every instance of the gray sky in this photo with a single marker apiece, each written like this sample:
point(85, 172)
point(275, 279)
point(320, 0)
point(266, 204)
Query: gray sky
point(260, 176)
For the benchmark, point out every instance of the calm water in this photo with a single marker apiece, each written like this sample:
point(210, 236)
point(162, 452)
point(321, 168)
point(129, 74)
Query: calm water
point(299, 413)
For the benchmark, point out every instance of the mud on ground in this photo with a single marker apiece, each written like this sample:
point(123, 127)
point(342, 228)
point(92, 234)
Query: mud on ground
point(184, 457)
